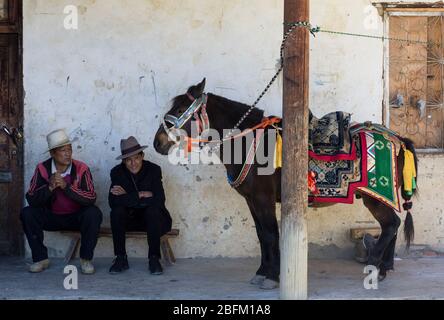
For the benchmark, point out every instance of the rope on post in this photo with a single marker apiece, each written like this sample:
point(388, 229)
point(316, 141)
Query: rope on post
point(318, 29)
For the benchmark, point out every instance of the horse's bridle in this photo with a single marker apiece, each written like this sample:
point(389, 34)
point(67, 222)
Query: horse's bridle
point(197, 106)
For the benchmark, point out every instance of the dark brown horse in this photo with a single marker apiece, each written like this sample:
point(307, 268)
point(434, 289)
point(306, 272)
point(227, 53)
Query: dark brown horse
point(262, 192)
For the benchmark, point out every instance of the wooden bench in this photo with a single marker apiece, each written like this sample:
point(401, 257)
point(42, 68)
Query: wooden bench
point(356, 234)
point(165, 247)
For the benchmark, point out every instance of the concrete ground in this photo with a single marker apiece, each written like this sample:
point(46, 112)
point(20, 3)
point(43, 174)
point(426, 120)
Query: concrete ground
point(219, 279)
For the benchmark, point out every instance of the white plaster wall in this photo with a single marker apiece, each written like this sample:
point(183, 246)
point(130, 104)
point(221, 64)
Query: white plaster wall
point(115, 76)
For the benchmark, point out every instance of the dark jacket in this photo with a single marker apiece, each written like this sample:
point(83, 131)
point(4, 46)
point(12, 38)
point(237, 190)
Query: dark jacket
point(81, 189)
point(149, 178)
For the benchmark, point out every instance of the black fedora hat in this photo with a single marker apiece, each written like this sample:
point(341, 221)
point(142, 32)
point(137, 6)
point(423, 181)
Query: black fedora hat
point(130, 147)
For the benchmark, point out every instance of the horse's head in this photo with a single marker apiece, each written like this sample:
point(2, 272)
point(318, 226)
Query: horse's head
point(179, 117)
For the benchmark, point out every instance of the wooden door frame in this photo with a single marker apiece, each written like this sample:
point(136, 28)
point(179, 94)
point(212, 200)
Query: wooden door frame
point(13, 26)
point(400, 11)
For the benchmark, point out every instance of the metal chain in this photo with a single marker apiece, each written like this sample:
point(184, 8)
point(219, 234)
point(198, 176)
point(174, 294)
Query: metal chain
point(293, 26)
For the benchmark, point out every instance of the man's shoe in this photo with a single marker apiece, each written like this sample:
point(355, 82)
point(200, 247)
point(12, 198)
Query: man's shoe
point(155, 266)
point(86, 266)
point(120, 264)
point(39, 266)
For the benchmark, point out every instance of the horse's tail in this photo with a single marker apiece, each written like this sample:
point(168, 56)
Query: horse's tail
point(409, 230)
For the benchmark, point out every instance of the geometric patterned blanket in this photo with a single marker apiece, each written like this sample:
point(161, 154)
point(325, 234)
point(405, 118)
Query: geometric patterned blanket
point(329, 137)
point(337, 180)
point(373, 171)
point(382, 171)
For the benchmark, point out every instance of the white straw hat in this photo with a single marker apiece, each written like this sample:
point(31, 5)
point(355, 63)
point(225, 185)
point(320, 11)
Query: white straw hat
point(58, 138)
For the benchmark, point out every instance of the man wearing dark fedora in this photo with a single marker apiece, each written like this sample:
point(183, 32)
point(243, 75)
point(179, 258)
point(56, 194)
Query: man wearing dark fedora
point(137, 202)
point(61, 196)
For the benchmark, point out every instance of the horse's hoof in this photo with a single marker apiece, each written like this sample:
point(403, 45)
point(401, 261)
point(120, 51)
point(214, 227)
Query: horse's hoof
point(257, 280)
point(269, 284)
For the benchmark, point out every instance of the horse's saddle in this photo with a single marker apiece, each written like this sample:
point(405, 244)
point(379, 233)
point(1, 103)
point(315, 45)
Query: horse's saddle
point(329, 136)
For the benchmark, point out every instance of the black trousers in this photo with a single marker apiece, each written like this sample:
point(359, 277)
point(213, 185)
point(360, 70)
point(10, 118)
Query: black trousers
point(131, 219)
point(37, 220)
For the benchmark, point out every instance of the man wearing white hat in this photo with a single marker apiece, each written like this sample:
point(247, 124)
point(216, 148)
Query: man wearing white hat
point(61, 196)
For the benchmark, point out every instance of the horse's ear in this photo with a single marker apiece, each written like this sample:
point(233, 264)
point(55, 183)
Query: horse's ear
point(197, 90)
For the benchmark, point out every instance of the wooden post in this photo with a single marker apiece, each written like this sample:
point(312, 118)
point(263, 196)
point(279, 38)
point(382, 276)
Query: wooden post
point(293, 276)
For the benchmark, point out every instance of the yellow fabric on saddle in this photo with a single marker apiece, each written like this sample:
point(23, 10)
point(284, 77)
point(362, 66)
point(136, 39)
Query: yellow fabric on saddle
point(278, 151)
point(409, 171)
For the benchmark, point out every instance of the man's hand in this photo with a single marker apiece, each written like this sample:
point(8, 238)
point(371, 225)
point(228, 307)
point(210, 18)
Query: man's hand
point(145, 194)
point(60, 182)
point(118, 191)
point(56, 181)
point(52, 183)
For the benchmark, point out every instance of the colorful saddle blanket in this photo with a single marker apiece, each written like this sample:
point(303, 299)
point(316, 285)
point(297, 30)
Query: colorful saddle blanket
point(382, 171)
point(373, 171)
point(337, 180)
point(329, 137)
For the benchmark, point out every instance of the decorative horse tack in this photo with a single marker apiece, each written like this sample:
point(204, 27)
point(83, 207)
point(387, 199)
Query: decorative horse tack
point(248, 161)
point(177, 123)
point(202, 120)
point(253, 149)
point(203, 124)
point(193, 109)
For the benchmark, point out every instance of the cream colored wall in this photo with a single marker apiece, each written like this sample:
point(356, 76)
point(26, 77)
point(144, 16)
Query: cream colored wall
point(116, 74)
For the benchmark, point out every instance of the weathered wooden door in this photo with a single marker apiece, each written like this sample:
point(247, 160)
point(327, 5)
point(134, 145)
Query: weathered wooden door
point(416, 76)
point(11, 113)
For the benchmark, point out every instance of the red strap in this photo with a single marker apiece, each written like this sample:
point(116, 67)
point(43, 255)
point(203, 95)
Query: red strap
point(190, 97)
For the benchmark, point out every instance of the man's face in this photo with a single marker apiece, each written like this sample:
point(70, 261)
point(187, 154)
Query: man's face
point(134, 163)
point(63, 155)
